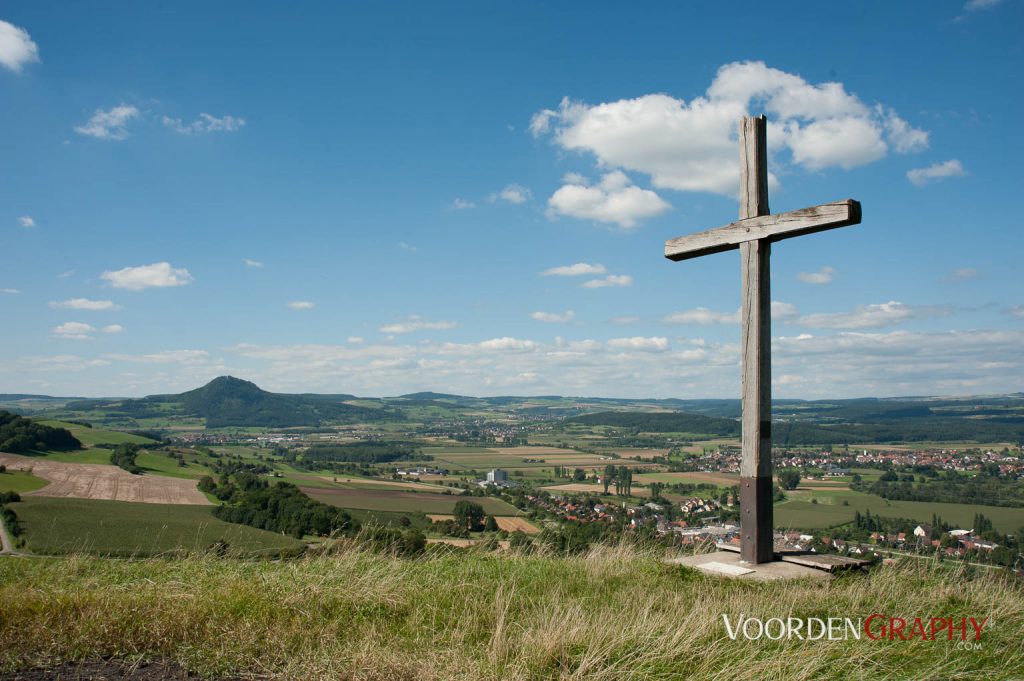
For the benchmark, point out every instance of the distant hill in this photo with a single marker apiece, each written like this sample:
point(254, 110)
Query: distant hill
point(230, 401)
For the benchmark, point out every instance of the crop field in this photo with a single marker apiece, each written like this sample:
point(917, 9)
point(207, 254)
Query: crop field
point(91, 455)
point(399, 501)
point(95, 436)
point(640, 453)
point(799, 512)
point(118, 528)
point(97, 481)
point(20, 482)
point(694, 478)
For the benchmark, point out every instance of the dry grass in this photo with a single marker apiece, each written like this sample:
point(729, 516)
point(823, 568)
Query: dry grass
point(614, 614)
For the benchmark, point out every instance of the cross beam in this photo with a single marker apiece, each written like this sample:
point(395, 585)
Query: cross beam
point(753, 234)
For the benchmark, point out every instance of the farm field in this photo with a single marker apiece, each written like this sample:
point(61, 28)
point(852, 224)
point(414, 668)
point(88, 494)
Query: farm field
point(640, 453)
point(95, 436)
point(509, 457)
point(20, 482)
point(91, 455)
point(694, 478)
point(119, 528)
point(594, 489)
point(799, 512)
point(399, 501)
point(97, 481)
point(506, 523)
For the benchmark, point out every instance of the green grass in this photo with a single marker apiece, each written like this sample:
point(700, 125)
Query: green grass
point(92, 455)
point(612, 615)
point(159, 463)
point(121, 528)
point(20, 482)
point(405, 501)
point(94, 436)
point(799, 512)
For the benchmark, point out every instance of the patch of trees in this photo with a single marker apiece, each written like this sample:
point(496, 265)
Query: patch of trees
point(7, 515)
point(621, 476)
point(469, 515)
point(949, 487)
point(124, 455)
point(252, 500)
point(19, 434)
point(363, 452)
point(789, 478)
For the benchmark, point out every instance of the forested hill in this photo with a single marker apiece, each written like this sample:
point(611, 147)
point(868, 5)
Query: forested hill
point(18, 435)
point(907, 426)
point(229, 401)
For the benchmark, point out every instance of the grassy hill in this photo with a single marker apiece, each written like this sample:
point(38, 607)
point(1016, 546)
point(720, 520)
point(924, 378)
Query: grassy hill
point(614, 614)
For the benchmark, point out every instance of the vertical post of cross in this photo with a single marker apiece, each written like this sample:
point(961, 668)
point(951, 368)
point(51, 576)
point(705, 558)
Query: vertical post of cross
point(756, 463)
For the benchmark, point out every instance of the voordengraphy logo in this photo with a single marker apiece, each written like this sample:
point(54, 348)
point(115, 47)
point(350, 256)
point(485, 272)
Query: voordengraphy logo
point(876, 627)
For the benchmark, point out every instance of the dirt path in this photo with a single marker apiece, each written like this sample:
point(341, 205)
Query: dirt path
point(100, 481)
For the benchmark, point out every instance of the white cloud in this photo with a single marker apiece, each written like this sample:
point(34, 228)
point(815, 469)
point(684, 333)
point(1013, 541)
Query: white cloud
point(702, 316)
point(462, 204)
point(252, 263)
point(513, 193)
point(27, 221)
point(623, 320)
point(84, 304)
point(507, 343)
point(576, 270)
point(12, 291)
point(73, 331)
point(614, 200)
point(871, 316)
point(301, 305)
point(1017, 311)
point(691, 146)
point(783, 311)
point(962, 274)
point(109, 125)
point(639, 343)
point(407, 247)
point(822, 276)
point(112, 328)
point(157, 275)
point(553, 317)
point(415, 323)
point(936, 171)
point(973, 5)
point(355, 340)
point(184, 357)
point(16, 47)
point(610, 280)
point(205, 123)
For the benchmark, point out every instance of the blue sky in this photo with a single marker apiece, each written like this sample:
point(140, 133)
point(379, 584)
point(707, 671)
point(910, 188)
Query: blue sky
point(466, 197)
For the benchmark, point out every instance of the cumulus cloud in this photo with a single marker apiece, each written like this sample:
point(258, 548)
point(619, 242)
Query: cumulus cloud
point(73, 331)
point(462, 204)
point(84, 304)
point(301, 305)
point(580, 268)
point(416, 323)
point(205, 123)
point(12, 291)
point(111, 124)
point(252, 263)
point(610, 280)
point(355, 340)
point(112, 328)
point(614, 199)
point(702, 316)
point(871, 316)
point(936, 171)
point(16, 47)
point(691, 146)
point(822, 276)
point(639, 343)
point(27, 221)
point(512, 193)
point(553, 317)
point(783, 311)
point(157, 275)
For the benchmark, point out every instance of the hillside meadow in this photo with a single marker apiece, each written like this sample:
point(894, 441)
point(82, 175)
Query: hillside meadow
point(612, 614)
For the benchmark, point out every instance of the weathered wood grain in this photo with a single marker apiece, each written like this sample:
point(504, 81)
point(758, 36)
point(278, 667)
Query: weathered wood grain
point(774, 227)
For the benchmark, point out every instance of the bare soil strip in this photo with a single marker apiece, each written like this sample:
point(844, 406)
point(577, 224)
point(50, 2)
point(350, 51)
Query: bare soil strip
point(99, 481)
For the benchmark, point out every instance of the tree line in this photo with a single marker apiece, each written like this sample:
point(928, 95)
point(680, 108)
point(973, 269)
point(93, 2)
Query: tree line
point(19, 434)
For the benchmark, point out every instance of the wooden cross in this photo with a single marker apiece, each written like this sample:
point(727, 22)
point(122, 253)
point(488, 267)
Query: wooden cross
point(753, 234)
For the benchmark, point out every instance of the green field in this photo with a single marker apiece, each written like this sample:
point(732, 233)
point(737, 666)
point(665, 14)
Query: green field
point(92, 455)
point(94, 436)
point(798, 511)
point(21, 482)
point(120, 528)
point(387, 500)
point(159, 463)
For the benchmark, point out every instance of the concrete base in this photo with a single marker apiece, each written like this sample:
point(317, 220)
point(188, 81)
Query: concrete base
point(728, 564)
